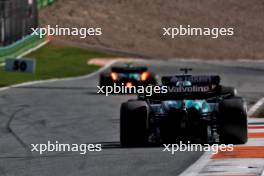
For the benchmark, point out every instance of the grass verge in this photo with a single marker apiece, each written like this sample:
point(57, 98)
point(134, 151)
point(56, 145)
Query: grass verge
point(54, 61)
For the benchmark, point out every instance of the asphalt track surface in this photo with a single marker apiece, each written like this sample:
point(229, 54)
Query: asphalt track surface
point(71, 112)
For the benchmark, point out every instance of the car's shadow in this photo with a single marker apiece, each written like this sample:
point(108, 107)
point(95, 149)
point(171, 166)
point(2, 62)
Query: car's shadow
point(110, 145)
point(117, 145)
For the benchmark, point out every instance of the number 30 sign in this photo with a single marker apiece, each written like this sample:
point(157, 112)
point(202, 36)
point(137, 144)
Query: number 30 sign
point(20, 65)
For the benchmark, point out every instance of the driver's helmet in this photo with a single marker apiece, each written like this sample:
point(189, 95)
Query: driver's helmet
point(183, 83)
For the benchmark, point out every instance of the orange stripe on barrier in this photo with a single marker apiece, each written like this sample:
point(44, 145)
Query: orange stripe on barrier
point(255, 135)
point(241, 152)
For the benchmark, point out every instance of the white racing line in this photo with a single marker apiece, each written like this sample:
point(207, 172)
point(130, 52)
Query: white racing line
point(61, 79)
point(70, 78)
point(204, 160)
point(255, 107)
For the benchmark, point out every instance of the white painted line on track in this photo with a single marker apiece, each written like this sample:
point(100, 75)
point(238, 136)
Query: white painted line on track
point(61, 79)
point(256, 130)
point(68, 79)
point(255, 107)
point(255, 142)
point(197, 167)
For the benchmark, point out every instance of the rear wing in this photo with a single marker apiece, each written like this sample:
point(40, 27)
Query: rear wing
point(182, 95)
point(192, 79)
point(129, 69)
point(188, 87)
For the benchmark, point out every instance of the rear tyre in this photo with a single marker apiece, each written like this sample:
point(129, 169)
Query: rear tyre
point(233, 121)
point(153, 80)
point(230, 91)
point(133, 123)
point(105, 79)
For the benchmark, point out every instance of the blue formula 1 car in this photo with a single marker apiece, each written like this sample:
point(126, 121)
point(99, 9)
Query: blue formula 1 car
point(195, 108)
